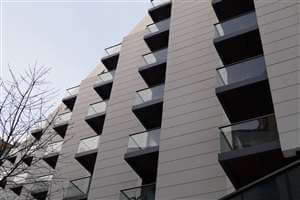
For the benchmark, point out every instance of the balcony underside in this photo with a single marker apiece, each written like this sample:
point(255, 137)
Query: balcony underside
point(3, 184)
point(239, 45)
point(28, 160)
point(158, 40)
point(249, 164)
point(160, 12)
point(61, 128)
point(69, 101)
point(111, 61)
point(154, 74)
point(144, 163)
point(12, 159)
point(17, 189)
point(246, 99)
point(40, 195)
point(87, 159)
point(103, 89)
point(224, 9)
point(37, 133)
point(51, 159)
point(149, 113)
point(96, 122)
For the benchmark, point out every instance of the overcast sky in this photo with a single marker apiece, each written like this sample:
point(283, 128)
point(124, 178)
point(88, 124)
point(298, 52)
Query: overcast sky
point(69, 37)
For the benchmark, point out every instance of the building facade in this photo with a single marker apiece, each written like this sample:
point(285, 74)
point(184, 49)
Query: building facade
point(200, 100)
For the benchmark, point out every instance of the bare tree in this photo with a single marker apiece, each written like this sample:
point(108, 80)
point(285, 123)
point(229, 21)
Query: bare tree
point(27, 113)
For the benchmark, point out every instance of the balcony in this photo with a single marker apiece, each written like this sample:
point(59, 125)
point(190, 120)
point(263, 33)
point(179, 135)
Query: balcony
point(87, 152)
point(161, 9)
point(144, 192)
point(51, 153)
point(70, 98)
point(104, 84)
point(61, 123)
point(96, 116)
point(154, 70)
point(282, 184)
point(250, 150)
point(244, 85)
point(238, 38)
point(111, 58)
point(77, 189)
point(225, 9)
point(19, 180)
point(148, 106)
point(39, 189)
point(38, 129)
point(28, 160)
point(142, 154)
point(157, 35)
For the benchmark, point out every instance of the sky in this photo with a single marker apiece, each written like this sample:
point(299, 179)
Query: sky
point(68, 36)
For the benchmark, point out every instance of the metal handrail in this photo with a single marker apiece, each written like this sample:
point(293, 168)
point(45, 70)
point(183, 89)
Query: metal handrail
point(106, 49)
point(248, 120)
point(146, 185)
point(236, 16)
point(240, 61)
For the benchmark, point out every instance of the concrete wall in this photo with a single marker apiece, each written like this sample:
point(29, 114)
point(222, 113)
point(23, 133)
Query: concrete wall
point(279, 28)
point(189, 143)
point(112, 173)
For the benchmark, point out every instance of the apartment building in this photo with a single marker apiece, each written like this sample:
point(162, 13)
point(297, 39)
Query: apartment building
point(198, 102)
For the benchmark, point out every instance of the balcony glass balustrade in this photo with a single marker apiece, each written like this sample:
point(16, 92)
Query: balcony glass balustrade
point(40, 125)
point(250, 68)
point(235, 24)
point(144, 192)
point(41, 184)
point(62, 118)
point(149, 94)
point(160, 26)
point(143, 140)
point(96, 108)
point(282, 184)
point(53, 148)
point(77, 188)
point(159, 2)
point(113, 49)
point(156, 56)
point(88, 144)
point(106, 76)
point(248, 133)
point(72, 91)
point(20, 178)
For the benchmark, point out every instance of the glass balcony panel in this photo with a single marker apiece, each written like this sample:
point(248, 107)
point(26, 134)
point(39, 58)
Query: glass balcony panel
point(20, 178)
point(144, 140)
point(249, 133)
point(54, 148)
point(88, 144)
point(149, 94)
point(40, 124)
point(156, 56)
point(236, 24)
point(250, 68)
point(63, 118)
point(97, 108)
point(73, 91)
point(158, 2)
point(146, 192)
point(113, 49)
point(281, 186)
point(77, 188)
point(162, 25)
point(106, 76)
